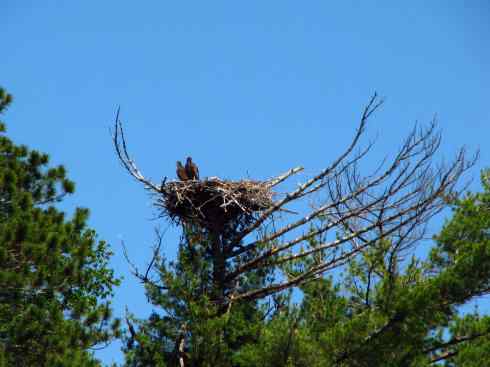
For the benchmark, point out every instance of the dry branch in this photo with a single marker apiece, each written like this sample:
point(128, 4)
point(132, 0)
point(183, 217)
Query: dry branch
point(122, 153)
point(394, 202)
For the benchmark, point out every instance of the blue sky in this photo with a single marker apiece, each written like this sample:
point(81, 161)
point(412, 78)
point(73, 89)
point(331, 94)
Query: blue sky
point(247, 88)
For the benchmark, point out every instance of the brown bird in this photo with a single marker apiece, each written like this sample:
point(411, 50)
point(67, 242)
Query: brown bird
point(191, 169)
point(181, 172)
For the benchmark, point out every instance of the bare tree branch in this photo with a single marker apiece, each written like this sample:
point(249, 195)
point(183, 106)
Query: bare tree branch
point(277, 180)
point(448, 353)
point(372, 106)
point(122, 153)
point(144, 277)
point(395, 204)
point(455, 340)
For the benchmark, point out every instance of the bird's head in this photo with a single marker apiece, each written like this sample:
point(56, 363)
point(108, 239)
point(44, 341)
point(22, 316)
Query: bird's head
point(189, 160)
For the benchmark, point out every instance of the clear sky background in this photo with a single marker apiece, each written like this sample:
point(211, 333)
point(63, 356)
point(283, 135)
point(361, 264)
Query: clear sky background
point(248, 88)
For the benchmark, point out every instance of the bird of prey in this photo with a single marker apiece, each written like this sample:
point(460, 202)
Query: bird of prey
point(181, 172)
point(191, 169)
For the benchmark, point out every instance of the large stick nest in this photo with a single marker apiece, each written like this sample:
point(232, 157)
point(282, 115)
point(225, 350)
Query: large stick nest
point(213, 203)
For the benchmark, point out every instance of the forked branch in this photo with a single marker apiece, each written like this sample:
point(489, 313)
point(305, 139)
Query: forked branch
point(122, 153)
point(394, 203)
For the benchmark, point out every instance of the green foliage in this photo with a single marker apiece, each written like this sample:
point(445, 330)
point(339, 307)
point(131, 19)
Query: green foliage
point(210, 333)
point(384, 311)
point(55, 283)
point(388, 307)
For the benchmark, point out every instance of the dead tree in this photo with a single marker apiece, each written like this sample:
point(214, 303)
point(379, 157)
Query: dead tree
point(394, 202)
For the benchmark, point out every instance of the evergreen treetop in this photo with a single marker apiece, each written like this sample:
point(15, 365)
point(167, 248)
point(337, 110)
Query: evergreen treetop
point(55, 283)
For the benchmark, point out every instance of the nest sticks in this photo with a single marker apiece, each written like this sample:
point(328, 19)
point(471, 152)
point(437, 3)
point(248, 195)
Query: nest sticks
point(214, 203)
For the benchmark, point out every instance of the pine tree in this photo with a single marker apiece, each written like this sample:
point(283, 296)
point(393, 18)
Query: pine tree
point(55, 284)
point(229, 299)
point(390, 310)
point(189, 326)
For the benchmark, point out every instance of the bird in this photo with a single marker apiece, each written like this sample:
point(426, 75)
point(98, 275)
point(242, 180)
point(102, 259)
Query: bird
point(181, 172)
point(191, 169)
